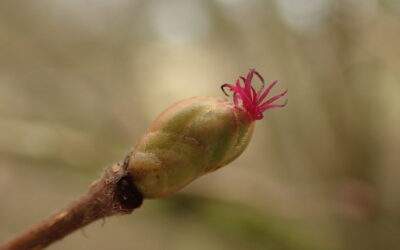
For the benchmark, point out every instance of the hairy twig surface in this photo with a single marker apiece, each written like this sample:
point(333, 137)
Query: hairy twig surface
point(112, 194)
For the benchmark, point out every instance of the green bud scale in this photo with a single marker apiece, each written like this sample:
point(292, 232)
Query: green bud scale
point(197, 136)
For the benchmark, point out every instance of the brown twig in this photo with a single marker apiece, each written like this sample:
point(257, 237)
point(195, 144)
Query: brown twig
point(113, 194)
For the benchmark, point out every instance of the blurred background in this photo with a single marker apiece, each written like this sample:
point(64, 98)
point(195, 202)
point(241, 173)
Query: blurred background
point(80, 80)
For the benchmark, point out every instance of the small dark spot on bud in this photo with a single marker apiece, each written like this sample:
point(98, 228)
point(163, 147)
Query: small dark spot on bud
point(127, 193)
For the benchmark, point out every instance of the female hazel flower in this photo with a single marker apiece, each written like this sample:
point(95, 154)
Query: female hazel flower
point(197, 136)
point(189, 139)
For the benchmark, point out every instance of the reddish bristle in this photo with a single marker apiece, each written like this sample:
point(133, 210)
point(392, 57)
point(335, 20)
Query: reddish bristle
point(249, 99)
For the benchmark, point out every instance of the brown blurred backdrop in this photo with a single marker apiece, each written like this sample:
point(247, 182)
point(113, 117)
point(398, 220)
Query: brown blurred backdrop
point(80, 80)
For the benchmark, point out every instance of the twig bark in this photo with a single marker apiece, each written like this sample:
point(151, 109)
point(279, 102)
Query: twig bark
point(112, 194)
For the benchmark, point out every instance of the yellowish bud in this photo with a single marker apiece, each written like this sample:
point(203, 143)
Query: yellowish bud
point(189, 139)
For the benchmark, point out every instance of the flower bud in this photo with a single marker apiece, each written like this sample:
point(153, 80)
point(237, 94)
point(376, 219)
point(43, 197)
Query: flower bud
point(196, 136)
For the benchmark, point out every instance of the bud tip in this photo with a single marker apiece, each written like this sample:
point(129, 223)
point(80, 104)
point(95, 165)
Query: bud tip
point(252, 101)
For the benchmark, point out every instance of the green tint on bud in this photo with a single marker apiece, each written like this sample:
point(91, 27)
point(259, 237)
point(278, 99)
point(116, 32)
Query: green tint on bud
point(198, 135)
point(189, 139)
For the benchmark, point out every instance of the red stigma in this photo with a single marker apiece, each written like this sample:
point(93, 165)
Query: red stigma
point(247, 98)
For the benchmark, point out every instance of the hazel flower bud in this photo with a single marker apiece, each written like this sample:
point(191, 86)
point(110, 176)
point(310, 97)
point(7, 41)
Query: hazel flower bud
point(197, 136)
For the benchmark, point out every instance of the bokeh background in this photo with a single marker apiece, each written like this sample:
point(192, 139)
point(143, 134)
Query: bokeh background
point(80, 80)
